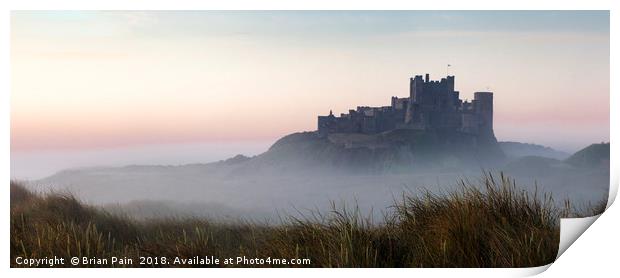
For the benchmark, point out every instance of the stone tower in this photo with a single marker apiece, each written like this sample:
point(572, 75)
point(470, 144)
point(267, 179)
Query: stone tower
point(484, 110)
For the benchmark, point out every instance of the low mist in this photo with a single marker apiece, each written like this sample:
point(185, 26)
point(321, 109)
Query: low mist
point(38, 164)
point(251, 187)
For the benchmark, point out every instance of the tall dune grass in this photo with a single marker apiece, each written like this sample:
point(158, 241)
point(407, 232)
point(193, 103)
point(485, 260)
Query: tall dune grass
point(491, 224)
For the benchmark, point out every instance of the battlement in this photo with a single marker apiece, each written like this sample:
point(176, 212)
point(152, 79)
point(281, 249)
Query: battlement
point(431, 105)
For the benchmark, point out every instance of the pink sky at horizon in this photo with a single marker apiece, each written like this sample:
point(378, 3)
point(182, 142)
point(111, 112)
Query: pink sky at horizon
point(105, 80)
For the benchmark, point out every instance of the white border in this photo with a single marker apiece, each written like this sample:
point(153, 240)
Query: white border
point(593, 253)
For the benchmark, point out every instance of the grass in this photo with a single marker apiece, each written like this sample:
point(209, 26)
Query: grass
point(494, 224)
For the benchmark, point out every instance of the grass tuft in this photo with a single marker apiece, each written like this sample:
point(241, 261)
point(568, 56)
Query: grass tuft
point(489, 223)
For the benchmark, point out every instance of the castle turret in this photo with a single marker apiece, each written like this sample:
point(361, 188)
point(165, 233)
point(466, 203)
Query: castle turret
point(416, 86)
point(450, 81)
point(484, 111)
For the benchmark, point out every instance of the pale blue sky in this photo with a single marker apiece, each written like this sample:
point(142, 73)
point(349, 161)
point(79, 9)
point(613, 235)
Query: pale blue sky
point(310, 24)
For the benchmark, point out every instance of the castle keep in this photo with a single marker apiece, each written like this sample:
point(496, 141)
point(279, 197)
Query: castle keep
point(431, 105)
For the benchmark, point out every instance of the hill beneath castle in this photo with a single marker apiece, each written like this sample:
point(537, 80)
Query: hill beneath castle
point(401, 150)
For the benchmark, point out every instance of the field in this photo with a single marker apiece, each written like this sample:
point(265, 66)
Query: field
point(491, 224)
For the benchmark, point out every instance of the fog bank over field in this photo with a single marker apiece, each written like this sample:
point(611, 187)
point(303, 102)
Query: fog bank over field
point(38, 164)
point(300, 173)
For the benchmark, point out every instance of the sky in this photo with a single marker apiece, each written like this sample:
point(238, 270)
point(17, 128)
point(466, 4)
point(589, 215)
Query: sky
point(100, 80)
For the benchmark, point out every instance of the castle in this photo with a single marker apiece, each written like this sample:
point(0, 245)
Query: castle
point(431, 105)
